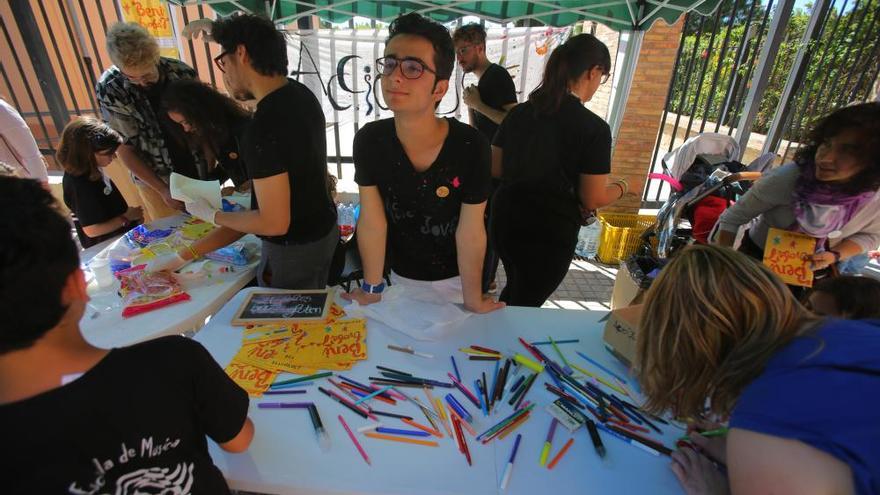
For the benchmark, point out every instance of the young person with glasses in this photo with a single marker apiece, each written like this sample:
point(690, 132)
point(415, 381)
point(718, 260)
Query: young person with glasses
point(285, 152)
point(423, 179)
point(99, 211)
point(553, 157)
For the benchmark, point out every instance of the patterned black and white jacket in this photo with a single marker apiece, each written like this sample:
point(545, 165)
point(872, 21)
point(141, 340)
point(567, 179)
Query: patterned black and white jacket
point(127, 110)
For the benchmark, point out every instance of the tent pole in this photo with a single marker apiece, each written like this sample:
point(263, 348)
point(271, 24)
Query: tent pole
point(624, 82)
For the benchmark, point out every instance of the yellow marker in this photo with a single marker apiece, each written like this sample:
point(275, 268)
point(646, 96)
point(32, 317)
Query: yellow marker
point(528, 363)
point(475, 352)
point(601, 380)
point(545, 453)
point(438, 406)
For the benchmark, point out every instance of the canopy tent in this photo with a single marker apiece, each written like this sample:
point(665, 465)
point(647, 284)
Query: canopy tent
point(632, 16)
point(620, 15)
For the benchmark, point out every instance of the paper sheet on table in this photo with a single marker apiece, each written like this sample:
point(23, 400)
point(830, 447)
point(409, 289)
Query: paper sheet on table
point(422, 312)
point(188, 190)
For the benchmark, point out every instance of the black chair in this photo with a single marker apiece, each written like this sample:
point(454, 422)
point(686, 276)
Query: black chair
point(346, 267)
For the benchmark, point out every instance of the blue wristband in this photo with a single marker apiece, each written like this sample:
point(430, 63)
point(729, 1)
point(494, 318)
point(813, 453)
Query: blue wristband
point(373, 289)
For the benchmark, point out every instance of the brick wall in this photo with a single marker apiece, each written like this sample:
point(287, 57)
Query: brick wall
point(601, 101)
point(631, 156)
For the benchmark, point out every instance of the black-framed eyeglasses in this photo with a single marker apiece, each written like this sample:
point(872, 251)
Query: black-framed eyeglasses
point(605, 77)
point(218, 61)
point(411, 68)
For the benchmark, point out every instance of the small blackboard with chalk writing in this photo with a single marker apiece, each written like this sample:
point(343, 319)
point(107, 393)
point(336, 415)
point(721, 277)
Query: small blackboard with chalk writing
point(284, 307)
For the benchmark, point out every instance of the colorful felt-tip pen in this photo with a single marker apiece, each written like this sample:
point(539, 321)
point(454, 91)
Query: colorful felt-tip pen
point(548, 442)
point(455, 368)
point(594, 436)
point(320, 432)
point(284, 405)
point(505, 478)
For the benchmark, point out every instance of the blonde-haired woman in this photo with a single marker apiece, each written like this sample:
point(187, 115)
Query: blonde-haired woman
point(99, 210)
point(129, 95)
point(722, 335)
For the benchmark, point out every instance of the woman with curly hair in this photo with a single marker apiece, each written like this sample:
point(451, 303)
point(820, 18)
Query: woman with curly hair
point(830, 192)
point(721, 335)
point(211, 125)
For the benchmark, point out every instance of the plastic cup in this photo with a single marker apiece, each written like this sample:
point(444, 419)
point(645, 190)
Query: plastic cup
point(103, 274)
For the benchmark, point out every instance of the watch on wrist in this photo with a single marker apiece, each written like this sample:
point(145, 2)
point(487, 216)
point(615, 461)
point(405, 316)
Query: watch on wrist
point(373, 289)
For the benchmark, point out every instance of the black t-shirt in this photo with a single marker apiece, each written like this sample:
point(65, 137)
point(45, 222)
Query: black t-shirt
point(544, 155)
point(496, 90)
point(422, 208)
point(91, 204)
point(287, 134)
point(229, 159)
point(137, 419)
point(182, 160)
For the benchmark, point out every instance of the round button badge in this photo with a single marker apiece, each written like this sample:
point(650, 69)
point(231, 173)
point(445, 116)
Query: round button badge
point(442, 192)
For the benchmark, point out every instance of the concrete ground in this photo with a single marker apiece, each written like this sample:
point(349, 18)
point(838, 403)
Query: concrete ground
point(586, 287)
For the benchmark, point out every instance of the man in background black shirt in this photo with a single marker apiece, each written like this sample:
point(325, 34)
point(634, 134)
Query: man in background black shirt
point(489, 103)
point(495, 93)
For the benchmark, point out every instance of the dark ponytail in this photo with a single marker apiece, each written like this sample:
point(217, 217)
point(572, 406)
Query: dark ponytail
point(566, 64)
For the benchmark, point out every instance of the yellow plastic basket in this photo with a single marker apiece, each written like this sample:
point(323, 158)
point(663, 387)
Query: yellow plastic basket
point(621, 235)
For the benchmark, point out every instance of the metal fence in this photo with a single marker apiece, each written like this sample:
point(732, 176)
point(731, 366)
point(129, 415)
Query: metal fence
point(821, 58)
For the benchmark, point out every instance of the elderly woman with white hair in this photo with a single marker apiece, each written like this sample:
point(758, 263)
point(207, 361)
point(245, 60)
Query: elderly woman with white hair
point(129, 95)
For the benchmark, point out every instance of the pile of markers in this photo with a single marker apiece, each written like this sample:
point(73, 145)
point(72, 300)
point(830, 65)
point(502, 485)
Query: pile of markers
point(579, 392)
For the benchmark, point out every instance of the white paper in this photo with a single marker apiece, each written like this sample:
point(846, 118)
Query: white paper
point(189, 190)
point(422, 310)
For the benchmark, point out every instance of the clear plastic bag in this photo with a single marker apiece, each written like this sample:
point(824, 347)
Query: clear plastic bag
point(143, 291)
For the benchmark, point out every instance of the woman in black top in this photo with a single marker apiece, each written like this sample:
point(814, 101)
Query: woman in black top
point(211, 125)
point(99, 210)
point(553, 157)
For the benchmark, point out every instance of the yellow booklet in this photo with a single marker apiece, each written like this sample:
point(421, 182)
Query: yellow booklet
point(787, 255)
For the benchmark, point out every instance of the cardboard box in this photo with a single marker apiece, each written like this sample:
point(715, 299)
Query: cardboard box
point(620, 332)
point(630, 284)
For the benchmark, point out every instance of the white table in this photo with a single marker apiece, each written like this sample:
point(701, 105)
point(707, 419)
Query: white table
point(284, 457)
point(102, 324)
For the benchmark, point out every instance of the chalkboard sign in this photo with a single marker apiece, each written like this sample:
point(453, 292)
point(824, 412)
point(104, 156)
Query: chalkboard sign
point(284, 307)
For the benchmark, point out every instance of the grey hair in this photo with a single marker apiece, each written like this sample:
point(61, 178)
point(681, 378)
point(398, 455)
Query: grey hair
point(131, 45)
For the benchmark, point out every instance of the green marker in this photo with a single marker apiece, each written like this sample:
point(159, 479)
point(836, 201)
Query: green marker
point(302, 379)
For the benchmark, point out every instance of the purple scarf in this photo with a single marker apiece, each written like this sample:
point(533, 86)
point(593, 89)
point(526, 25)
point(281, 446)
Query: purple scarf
point(820, 208)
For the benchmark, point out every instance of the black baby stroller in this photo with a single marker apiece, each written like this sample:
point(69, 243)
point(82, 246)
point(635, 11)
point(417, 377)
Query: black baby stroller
point(705, 178)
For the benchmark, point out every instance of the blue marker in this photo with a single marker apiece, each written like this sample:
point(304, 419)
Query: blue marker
point(480, 395)
point(505, 478)
point(606, 370)
point(455, 368)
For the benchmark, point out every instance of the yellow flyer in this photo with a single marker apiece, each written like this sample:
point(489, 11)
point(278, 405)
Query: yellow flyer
point(253, 380)
point(319, 343)
point(336, 312)
point(288, 361)
point(262, 333)
point(153, 15)
point(786, 254)
point(261, 354)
